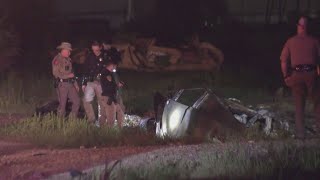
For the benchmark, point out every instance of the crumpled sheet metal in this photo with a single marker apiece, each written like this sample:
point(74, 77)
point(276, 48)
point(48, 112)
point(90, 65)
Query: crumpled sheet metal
point(243, 114)
point(131, 120)
point(249, 116)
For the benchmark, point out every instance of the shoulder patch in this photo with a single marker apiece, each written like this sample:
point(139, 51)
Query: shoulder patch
point(109, 78)
point(55, 62)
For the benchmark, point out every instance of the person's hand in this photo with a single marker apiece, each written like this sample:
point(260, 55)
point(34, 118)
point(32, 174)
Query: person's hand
point(288, 81)
point(120, 84)
point(83, 88)
point(76, 87)
point(71, 75)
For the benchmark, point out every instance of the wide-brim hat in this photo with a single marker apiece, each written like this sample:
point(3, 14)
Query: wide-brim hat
point(65, 45)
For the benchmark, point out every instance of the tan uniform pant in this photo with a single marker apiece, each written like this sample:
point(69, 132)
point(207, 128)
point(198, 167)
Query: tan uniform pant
point(304, 84)
point(113, 112)
point(93, 89)
point(67, 90)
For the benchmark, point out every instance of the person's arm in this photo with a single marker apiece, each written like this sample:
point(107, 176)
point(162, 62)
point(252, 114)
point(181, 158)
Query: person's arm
point(318, 49)
point(318, 57)
point(86, 71)
point(284, 60)
point(59, 71)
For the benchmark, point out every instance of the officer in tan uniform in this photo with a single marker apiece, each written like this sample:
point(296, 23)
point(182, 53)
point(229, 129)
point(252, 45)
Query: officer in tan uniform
point(66, 85)
point(110, 85)
point(299, 60)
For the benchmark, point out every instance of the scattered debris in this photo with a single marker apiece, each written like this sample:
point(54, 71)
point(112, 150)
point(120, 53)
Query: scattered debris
point(199, 111)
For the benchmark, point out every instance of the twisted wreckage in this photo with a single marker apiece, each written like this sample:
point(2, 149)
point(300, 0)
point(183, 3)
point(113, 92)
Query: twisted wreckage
point(188, 111)
point(145, 55)
point(199, 111)
point(191, 112)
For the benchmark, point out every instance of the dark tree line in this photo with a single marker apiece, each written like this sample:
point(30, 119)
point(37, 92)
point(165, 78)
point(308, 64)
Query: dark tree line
point(30, 20)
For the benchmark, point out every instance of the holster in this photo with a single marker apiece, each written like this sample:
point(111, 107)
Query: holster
point(55, 82)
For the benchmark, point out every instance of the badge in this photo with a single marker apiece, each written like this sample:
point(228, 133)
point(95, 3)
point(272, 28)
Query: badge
point(55, 62)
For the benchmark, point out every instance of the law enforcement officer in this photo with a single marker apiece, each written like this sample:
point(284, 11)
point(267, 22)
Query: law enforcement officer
point(66, 85)
point(110, 97)
point(91, 86)
point(115, 56)
point(299, 59)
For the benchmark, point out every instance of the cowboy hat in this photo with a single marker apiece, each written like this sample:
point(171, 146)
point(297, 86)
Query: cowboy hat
point(65, 45)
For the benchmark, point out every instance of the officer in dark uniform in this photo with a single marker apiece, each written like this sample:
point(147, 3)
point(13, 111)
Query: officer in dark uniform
point(111, 84)
point(91, 86)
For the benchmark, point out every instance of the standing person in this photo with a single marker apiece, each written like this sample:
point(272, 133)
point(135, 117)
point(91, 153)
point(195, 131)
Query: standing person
point(114, 54)
point(66, 85)
point(110, 86)
point(91, 85)
point(299, 60)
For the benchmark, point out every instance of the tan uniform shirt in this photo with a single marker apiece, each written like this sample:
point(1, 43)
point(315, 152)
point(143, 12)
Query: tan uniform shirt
point(301, 49)
point(61, 67)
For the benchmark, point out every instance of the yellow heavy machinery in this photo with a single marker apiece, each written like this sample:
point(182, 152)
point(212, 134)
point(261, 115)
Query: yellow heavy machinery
point(145, 55)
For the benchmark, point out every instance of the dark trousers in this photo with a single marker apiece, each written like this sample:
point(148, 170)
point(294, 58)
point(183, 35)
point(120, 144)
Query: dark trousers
point(304, 85)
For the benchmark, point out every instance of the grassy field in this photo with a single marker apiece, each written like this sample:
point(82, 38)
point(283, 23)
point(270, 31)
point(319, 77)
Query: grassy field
point(22, 93)
point(262, 160)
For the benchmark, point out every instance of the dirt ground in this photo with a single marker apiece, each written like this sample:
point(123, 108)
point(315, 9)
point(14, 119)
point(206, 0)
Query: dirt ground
point(19, 160)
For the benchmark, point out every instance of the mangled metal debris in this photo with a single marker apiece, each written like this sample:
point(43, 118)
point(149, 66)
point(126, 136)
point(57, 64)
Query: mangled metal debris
point(249, 116)
point(192, 109)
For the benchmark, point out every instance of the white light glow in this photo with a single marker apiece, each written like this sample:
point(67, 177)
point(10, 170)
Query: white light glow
point(174, 119)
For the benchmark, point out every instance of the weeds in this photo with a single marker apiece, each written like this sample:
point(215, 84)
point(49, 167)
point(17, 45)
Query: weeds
point(57, 132)
point(234, 160)
point(52, 131)
point(21, 94)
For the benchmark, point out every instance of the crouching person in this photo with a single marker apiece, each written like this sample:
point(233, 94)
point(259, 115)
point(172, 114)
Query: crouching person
point(109, 95)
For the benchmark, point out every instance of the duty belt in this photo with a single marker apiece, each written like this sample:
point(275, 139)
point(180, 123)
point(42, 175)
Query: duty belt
point(70, 80)
point(304, 68)
point(94, 78)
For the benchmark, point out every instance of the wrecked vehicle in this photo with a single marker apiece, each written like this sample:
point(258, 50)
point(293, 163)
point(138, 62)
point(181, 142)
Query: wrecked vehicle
point(200, 112)
point(196, 112)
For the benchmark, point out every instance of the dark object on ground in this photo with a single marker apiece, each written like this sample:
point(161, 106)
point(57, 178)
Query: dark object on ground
point(196, 112)
point(52, 106)
point(159, 102)
point(148, 124)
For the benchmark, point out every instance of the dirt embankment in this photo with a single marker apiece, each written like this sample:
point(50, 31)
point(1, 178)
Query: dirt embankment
point(27, 162)
point(21, 160)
